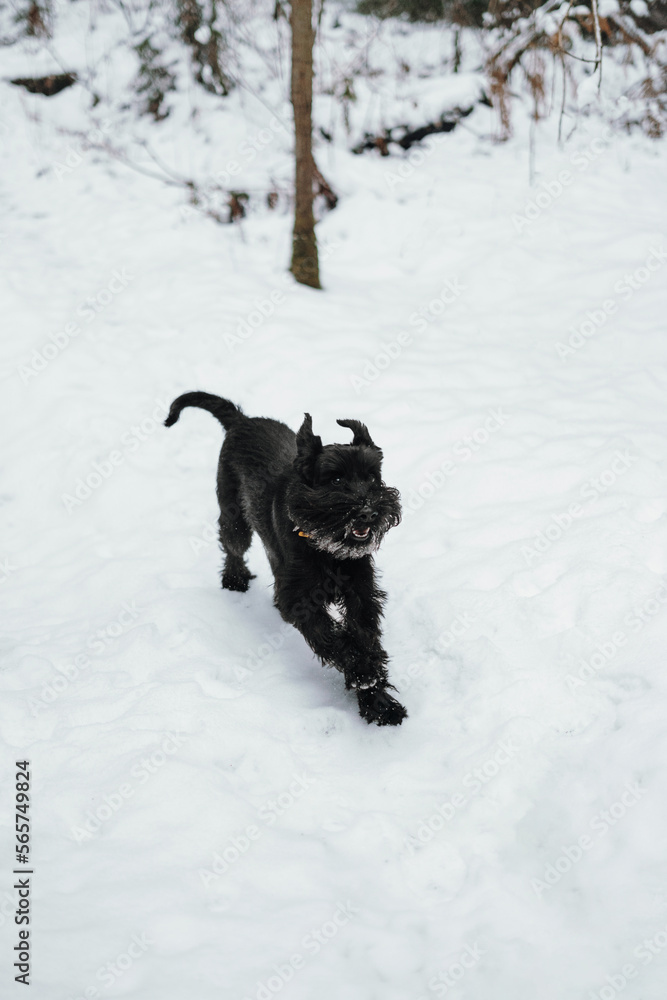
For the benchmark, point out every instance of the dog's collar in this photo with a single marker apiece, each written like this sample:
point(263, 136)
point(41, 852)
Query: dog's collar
point(303, 534)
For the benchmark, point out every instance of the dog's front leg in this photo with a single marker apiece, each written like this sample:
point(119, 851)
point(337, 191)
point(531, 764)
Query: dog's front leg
point(363, 606)
point(363, 614)
point(353, 651)
point(328, 639)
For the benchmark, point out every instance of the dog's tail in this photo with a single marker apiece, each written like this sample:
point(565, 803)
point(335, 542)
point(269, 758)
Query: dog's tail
point(222, 409)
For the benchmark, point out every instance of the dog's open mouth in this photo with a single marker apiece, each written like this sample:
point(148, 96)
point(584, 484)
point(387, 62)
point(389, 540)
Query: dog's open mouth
point(361, 533)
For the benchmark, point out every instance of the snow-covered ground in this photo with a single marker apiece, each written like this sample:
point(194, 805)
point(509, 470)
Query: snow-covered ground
point(211, 816)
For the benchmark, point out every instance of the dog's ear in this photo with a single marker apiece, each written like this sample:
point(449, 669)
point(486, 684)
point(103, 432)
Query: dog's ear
point(308, 447)
point(360, 431)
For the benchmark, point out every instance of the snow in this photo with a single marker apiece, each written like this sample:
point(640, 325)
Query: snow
point(248, 835)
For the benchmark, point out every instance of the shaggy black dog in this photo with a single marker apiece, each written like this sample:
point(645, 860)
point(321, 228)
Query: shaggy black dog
point(321, 512)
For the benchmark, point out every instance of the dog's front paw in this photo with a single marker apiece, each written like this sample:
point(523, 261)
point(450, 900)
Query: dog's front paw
point(365, 675)
point(376, 705)
point(236, 581)
point(364, 668)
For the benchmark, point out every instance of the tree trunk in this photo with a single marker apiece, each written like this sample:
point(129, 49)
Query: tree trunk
point(304, 266)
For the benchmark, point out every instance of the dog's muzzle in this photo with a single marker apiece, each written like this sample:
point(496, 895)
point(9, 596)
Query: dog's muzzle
point(361, 533)
point(361, 528)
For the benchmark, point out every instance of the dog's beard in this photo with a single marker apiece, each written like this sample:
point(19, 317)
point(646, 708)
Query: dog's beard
point(330, 519)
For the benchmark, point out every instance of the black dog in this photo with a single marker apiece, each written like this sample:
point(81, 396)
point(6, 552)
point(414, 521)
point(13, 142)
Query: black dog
point(321, 512)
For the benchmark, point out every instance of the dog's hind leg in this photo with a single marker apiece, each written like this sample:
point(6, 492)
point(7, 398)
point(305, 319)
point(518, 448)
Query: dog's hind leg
point(235, 534)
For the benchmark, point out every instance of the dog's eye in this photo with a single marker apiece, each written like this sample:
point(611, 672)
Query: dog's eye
point(336, 480)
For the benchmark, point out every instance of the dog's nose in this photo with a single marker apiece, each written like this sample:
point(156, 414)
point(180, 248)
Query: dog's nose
point(367, 515)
